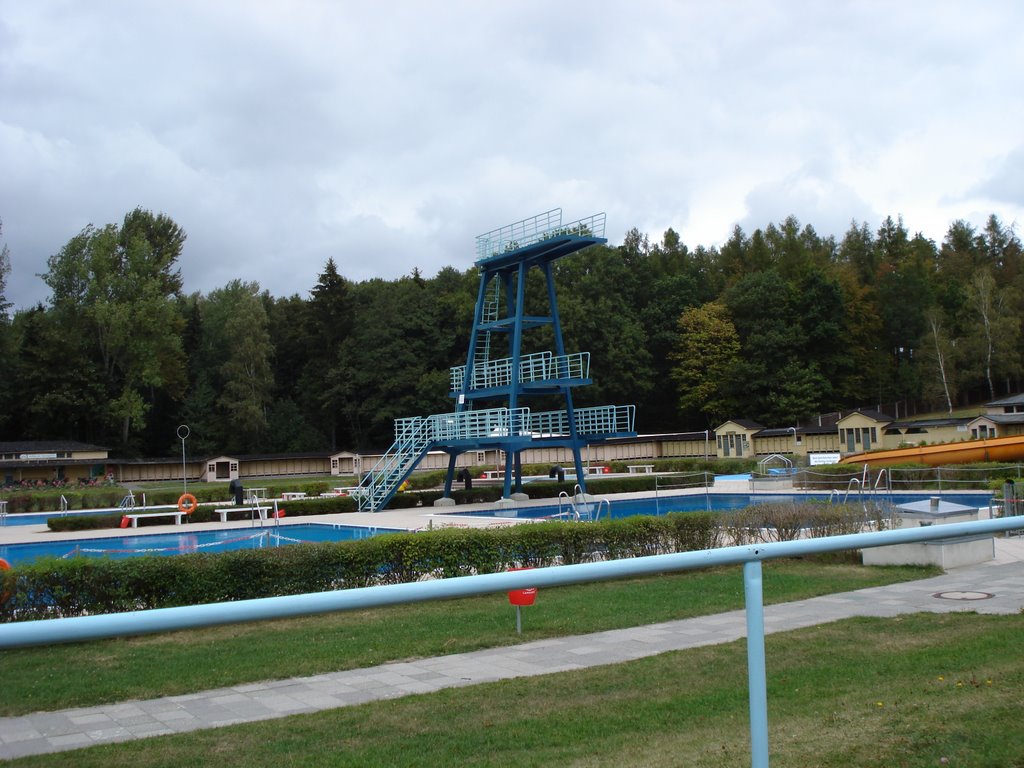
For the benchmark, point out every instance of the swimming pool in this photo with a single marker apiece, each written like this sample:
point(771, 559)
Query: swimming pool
point(720, 502)
point(168, 544)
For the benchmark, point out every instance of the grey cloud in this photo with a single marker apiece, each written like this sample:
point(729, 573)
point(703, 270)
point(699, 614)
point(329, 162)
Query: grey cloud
point(388, 135)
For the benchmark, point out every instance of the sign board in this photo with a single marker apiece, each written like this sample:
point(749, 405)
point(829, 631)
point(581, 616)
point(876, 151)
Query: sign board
point(817, 459)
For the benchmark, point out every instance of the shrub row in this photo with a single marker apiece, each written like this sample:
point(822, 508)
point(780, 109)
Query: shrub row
point(79, 586)
point(787, 522)
point(111, 496)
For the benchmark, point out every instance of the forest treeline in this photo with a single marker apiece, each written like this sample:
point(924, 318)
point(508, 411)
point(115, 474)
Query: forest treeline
point(776, 325)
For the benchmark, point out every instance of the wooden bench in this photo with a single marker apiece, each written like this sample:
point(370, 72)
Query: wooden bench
point(134, 517)
point(640, 469)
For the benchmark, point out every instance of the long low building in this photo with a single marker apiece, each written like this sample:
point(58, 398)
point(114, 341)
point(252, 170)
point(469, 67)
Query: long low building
point(853, 432)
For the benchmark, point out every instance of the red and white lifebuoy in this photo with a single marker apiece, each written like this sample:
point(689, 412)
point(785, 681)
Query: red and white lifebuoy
point(4, 566)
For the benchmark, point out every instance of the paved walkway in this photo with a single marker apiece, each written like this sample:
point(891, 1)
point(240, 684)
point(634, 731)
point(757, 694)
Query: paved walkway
point(993, 587)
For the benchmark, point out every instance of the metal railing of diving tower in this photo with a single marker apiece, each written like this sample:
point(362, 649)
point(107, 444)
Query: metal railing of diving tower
point(535, 229)
point(413, 437)
point(417, 435)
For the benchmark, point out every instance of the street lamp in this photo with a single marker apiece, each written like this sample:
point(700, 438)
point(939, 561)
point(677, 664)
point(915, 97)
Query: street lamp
point(183, 432)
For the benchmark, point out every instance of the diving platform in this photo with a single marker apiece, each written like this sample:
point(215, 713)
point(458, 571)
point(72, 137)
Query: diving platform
point(463, 431)
point(490, 389)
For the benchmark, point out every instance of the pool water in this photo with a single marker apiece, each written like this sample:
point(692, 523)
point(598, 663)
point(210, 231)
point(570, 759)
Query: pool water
point(40, 518)
point(168, 544)
point(720, 502)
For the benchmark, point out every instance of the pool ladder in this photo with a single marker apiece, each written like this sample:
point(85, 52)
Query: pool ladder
point(260, 513)
point(579, 508)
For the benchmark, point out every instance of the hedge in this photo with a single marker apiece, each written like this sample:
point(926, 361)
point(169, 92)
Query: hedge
point(54, 587)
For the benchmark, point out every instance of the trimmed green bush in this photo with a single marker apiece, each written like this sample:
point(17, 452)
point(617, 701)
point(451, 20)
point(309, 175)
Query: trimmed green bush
point(83, 522)
point(79, 586)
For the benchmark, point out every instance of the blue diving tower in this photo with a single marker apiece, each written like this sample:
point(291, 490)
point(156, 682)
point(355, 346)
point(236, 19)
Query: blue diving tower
point(492, 389)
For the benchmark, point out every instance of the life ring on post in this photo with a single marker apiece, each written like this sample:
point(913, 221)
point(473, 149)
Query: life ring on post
point(186, 503)
point(4, 566)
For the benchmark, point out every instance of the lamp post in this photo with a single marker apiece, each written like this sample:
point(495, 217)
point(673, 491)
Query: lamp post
point(183, 432)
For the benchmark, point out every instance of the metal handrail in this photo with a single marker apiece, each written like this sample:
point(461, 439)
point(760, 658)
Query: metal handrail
point(533, 368)
point(849, 485)
point(535, 229)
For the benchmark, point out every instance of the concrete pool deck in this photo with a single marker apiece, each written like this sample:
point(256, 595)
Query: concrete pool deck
point(412, 519)
point(995, 587)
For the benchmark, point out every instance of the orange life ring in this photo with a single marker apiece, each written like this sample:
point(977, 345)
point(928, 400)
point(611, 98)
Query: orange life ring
point(186, 503)
point(4, 566)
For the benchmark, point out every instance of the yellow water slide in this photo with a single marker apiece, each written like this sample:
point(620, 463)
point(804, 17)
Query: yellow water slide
point(966, 452)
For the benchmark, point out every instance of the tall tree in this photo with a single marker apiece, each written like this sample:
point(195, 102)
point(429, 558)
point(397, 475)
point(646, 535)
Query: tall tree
point(707, 350)
point(235, 366)
point(5, 270)
point(119, 288)
point(995, 331)
point(940, 353)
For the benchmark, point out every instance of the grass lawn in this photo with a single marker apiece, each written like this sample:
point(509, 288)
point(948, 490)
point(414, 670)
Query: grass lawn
point(158, 665)
point(910, 691)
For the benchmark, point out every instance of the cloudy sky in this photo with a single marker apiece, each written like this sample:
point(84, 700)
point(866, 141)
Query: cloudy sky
point(389, 134)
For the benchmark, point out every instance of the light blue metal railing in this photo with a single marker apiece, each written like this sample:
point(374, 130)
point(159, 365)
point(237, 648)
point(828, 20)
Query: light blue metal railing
point(476, 425)
point(411, 441)
point(414, 437)
point(533, 368)
point(80, 628)
point(535, 229)
point(600, 420)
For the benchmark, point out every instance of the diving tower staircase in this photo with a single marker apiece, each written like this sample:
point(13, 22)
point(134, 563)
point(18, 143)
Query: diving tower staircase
point(489, 391)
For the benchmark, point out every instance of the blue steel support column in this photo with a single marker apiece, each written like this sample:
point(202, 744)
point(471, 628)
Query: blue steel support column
point(570, 414)
point(450, 476)
point(512, 455)
point(756, 671)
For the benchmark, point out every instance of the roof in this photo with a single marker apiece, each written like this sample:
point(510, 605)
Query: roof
point(47, 446)
point(745, 423)
point(951, 421)
point(1000, 418)
point(869, 414)
point(1011, 400)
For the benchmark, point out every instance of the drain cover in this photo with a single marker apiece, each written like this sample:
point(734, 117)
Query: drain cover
point(956, 595)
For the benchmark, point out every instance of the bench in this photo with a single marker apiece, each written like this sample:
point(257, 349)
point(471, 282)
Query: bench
point(640, 469)
point(223, 512)
point(134, 517)
point(293, 495)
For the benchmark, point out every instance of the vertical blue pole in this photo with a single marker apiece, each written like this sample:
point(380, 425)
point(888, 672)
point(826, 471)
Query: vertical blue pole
point(756, 675)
